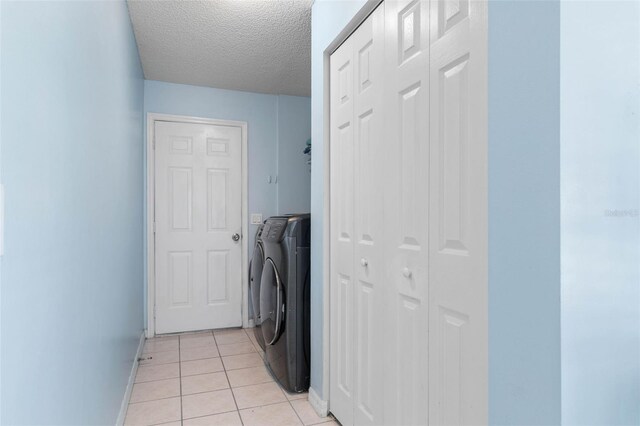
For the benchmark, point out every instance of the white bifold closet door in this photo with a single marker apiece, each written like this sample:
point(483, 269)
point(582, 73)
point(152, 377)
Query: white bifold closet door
point(406, 211)
point(408, 173)
point(357, 271)
point(458, 240)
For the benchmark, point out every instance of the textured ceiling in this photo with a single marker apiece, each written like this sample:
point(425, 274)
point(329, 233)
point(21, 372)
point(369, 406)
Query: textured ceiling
point(252, 45)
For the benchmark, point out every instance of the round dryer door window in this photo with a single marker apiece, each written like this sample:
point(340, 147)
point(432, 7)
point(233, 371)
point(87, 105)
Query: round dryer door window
point(271, 303)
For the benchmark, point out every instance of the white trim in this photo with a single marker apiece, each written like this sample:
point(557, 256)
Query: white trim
point(355, 22)
point(319, 405)
point(150, 187)
point(132, 377)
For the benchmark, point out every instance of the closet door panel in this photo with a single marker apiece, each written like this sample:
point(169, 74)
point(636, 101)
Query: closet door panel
point(370, 152)
point(342, 350)
point(458, 214)
point(406, 210)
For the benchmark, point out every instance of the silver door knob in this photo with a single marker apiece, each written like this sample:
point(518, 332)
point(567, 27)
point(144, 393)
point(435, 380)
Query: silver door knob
point(236, 237)
point(364, 262)
point(407, 272)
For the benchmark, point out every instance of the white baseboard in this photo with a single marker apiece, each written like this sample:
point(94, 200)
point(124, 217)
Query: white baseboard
point(132, 378)
point(318, 404)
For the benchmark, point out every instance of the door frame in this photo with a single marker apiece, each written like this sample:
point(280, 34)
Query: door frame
point(152, 118)
point(323, 407)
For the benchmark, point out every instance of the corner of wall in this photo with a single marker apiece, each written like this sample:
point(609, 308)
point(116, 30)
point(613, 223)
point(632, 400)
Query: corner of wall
point(132, 377)
point(320, 406)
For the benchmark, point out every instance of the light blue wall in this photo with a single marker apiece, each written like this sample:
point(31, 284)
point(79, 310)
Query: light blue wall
point(600, 248)
point(261, 112)
point(328, 18)
point(72, 93)
point(524, 213)
point(0, 181)
point(294, 174)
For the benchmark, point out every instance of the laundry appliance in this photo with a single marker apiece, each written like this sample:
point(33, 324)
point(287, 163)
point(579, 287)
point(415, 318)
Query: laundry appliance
point(255, 275)
point(285, 299)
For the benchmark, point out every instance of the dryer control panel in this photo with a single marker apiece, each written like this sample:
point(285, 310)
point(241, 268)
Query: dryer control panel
point(274, 229)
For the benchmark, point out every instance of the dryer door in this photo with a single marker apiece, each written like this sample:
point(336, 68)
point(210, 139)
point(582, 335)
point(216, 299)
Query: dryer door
point(255, 275)
point(271, 303)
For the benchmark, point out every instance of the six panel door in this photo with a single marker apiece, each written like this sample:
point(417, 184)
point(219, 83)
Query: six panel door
point(357, 155)
point(458, 262)
point(198, 209)
point(342, 234)
point(408, 217)
point(406, 210)
point(369, 161)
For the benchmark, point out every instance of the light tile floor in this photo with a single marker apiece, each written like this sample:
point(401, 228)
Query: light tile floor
point(212, 378)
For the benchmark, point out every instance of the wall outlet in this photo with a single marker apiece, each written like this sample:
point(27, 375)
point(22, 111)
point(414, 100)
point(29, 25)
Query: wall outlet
point(256, 218)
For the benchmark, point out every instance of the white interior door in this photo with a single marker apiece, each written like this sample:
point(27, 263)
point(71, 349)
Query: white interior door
point(198, 211)
point(408, 173)
point(407, 211)
point(458, 221)
point(358, 269)
point(342, 234)
point(369, 159)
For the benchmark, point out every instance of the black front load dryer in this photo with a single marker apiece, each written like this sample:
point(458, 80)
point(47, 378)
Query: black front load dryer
point(255, 274)
point(284, 299)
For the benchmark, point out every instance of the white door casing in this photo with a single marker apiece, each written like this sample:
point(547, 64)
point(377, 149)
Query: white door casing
point(458, 224)
point(198, 210)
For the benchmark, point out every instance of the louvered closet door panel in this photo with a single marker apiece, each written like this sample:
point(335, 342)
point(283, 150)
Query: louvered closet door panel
point(369, 165)
point(458, 214)
point(342, 150)
point(406, 210)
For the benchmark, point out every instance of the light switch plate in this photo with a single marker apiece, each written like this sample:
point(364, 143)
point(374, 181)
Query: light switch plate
point(256, 218)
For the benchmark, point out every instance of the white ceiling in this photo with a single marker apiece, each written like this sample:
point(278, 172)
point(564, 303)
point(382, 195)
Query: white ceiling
point(252, 45)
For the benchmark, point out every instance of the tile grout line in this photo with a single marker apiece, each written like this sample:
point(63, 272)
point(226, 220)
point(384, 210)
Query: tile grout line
point(279, 387)
point(156, 380)
point(153, 400)
point(294, 410)
point(156, 352)
point(290, 401)
point(217, 390)
point(209, 415)
point(329, 418)
point(233, 395)
point(214, 390)
point(188, 360)
point(290, 404)
point(225, 369)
